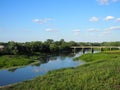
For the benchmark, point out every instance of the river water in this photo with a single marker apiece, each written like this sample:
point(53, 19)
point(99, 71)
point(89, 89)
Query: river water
point(11, 76)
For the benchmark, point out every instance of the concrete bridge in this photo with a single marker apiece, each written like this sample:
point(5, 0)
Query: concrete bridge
point(94, 47)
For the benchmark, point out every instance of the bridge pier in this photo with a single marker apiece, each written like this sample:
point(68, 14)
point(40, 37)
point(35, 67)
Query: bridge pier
point(110, 48)
point(92, 50)
point(101, 49)
point(83, 50)
point(74, 50)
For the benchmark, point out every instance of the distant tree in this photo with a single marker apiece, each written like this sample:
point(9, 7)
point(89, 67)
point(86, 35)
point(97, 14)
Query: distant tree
point(53, 47)
point(47, 46)
point(96, 44)
point(73, 43)
point(62, 41)
point(111, 43)
point(11, 48)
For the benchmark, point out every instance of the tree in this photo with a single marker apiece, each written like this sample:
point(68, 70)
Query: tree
point(11, 48)
point(53, 47)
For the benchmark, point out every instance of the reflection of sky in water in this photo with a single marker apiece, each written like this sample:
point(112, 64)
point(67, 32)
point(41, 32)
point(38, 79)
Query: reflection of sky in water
point(57, 64)
point(29, 72)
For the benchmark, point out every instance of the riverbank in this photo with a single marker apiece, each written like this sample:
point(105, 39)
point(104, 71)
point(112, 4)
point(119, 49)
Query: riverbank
point(15, 61)
point(101, 72)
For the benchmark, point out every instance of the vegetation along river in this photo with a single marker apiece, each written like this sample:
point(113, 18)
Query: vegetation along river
point(11, 76)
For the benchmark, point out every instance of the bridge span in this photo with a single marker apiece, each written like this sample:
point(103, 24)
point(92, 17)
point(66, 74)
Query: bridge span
point(94, 47)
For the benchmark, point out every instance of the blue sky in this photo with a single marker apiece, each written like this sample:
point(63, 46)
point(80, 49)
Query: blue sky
point(77, 20)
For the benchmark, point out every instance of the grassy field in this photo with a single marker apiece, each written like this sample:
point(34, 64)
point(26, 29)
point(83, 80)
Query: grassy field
point(101, 72)
point(8, 61)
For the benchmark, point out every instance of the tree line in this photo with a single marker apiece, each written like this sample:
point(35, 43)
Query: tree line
point(48, 46)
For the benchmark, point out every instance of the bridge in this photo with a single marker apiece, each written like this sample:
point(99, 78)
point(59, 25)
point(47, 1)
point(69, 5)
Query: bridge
point(94, 47)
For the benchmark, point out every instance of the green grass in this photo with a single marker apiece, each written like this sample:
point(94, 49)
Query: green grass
point(107, 55)
point(8, 61)
point(102, 72)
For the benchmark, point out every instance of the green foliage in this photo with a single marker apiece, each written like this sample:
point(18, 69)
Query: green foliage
point(11, 48)
point(117, 43)
point(106, 55)
point(12, 61)
point(101, 73)
point(15, 48)
point(53, 47)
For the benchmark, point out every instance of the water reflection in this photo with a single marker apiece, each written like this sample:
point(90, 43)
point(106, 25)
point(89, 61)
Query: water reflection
point(12, 69)
point(37, 64)
point(47, 63)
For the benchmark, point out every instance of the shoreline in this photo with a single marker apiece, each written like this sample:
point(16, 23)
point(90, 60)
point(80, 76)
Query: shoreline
point(35, 62)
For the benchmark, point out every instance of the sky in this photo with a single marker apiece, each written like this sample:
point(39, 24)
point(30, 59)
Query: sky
point(71, 20)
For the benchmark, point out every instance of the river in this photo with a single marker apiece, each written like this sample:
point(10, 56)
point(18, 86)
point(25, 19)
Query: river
point(11, 76)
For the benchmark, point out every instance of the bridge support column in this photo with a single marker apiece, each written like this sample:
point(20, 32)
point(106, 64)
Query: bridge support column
point(92, 50)
point(83, 50)
point(74, 50)
point(101, 49)
point(110, 48)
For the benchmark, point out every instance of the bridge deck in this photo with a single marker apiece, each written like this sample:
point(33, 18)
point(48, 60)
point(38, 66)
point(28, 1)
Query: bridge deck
point(95, 47)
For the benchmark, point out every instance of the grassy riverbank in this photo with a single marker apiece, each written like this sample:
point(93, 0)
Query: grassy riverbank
point(102, 56)
point(8, 61)
point(102, 72)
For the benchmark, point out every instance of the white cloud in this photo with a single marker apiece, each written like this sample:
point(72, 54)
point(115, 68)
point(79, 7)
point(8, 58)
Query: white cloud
point(109, 30)
point(106, 2)
point(93, 19)
point(42, 21)
point(106, 32)
point(51, 30)
point(107, 18)
point(93, 30)
point(115, 0)
point(113, 28)
point(76, 32)
point(103, 2)
point(118, 19)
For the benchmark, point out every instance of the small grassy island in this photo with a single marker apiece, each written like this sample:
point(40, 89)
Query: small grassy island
point(101, 72)
point(11, 61)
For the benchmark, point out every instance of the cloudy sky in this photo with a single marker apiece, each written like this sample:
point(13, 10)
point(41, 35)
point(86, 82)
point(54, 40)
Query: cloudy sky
point(78, 20)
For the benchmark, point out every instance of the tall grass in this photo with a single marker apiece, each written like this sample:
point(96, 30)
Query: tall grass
point(7, 61)
point(102, 72)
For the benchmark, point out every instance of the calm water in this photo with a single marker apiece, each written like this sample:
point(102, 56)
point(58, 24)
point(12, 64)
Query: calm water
point(31, 71)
